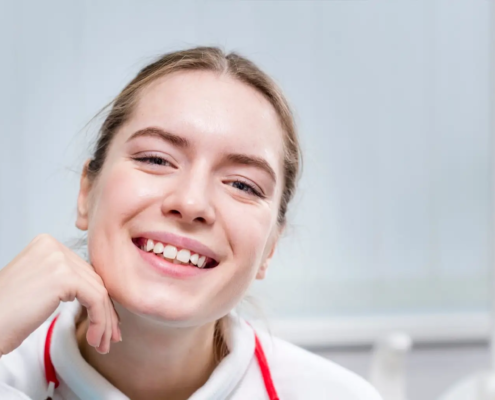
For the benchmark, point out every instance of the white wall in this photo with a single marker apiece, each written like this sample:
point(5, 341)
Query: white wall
point(393, 216)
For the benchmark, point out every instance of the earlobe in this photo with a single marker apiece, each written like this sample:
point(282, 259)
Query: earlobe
point(82, 199)
point(261, 274)
point(262, 271)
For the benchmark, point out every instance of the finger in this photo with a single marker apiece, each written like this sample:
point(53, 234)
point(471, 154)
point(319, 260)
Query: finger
point(116, 333)
point(89, 295)
point(94, 301)
point(95, 279)
point(92, 295)
point(110, 324)
point(112, 312)
point(105, 341)
point(86, 269)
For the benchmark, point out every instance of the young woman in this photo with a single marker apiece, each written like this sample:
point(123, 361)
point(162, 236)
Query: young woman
point(183, 201)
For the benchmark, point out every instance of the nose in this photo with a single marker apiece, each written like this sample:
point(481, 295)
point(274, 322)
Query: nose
point(188, 200)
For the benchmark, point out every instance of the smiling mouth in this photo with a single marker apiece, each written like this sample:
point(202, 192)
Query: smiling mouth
point(174, 254)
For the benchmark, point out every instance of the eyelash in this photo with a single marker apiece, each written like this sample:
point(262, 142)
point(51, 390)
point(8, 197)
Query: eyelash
point(150, 159)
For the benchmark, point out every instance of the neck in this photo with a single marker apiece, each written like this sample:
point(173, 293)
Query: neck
point(153, 361)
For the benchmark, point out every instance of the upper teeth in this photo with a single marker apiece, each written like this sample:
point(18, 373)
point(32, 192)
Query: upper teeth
point(170, 252)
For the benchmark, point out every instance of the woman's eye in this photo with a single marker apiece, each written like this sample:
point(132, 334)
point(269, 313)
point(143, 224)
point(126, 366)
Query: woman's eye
point(154, 160)
point(245, 187)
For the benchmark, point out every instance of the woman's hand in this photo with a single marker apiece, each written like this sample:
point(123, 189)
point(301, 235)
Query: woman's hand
point(34, 283)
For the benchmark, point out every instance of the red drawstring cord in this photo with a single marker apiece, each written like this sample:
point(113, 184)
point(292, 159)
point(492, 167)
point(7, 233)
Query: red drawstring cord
point(265, 370)
point(51, 376)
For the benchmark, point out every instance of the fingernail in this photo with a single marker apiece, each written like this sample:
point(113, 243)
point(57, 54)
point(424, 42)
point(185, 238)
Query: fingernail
point(120, 336)
point(101, 351)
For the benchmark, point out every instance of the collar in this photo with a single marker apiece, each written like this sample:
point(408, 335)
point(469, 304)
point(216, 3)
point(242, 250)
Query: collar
point(86, 382)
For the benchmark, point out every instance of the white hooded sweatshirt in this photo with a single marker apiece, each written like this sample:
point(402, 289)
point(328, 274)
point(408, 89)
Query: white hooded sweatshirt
point(296, 373)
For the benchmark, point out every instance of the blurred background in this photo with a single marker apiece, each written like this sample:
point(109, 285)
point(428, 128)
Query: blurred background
point(392, 227)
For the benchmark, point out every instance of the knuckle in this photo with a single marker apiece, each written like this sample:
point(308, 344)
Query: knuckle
point(43, 238)
point(46, 241)
point(60, 272)
point(69, 294)
point(58, 262)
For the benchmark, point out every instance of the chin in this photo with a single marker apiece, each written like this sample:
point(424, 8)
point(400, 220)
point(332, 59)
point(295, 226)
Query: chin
point(179, 310)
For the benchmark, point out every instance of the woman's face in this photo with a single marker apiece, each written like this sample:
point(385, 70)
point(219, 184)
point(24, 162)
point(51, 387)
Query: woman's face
point(200, 158)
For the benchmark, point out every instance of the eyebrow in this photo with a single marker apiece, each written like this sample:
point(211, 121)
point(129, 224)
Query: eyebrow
point(182, 142)
point(257, 162)
point(176, 140)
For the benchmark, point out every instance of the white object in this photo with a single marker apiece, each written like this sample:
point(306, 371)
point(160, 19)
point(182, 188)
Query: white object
point(297, 374)
point(387, 373)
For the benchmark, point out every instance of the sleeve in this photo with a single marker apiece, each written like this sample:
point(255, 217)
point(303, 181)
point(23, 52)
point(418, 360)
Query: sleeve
point(22, 373)
point(9, 393)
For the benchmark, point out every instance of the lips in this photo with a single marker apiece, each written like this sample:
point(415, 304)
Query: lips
point(180, 242)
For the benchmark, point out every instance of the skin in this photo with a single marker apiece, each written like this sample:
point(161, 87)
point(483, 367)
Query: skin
point(167, 323)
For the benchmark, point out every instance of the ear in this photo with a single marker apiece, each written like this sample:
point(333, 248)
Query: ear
point(263, 268)
point(83, 199)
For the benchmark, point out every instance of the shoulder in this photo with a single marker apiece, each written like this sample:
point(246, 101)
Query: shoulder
point(22, 370)
point(298, 373)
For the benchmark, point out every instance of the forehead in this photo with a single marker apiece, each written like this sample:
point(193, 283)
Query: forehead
point(214, 110)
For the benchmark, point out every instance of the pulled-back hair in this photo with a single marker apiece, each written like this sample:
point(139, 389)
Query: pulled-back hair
point(205, 59)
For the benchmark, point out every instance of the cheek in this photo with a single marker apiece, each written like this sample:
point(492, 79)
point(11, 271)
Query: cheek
point(248, 235)
point(248, 231)
point(120, 198)
point(124, 193)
